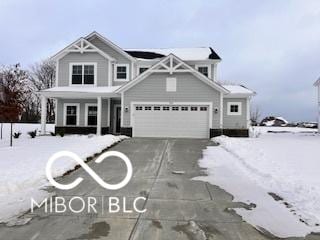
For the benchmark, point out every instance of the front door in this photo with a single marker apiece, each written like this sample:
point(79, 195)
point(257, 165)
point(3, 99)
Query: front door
point(117, 119)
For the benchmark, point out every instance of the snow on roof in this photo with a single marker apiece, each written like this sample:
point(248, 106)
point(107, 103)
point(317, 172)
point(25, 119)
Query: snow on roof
point(83, 89)
point(238, 89)
point(191, 54)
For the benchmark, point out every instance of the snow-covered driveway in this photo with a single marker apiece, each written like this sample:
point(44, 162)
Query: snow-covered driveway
point(22, 167)
point(279, 172)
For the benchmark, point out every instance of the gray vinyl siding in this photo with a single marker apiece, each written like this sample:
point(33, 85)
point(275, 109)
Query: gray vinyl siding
point(82, 102)
point(235, 121)
point(120, 58)
point(189, 89)
point(102, 67)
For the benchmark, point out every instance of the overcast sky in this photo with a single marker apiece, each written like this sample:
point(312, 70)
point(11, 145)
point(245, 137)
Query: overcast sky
point(271, 46)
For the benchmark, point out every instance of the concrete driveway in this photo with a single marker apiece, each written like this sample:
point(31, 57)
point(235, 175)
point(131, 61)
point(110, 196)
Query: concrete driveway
point(177, 207)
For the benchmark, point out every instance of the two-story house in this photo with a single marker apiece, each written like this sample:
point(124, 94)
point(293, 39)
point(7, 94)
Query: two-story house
point(102, 88)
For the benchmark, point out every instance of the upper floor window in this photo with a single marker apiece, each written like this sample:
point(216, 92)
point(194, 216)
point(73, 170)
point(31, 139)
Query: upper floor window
point(82, 73)
point(142, 69)
point(204, 69)
point(122, 72)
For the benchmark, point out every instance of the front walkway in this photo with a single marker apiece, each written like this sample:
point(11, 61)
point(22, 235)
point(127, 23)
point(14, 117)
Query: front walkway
point(177, 207)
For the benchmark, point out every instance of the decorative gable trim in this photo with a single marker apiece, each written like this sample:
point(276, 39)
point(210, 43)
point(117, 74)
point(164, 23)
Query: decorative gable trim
point(172, 64)
point(81, 46)
point(111, 44)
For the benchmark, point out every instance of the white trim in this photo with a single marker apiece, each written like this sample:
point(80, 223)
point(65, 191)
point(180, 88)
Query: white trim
point(86, 113)
point(248, 112)
point(204, 65)
point(110, 73)
point(57, 73)
point(65, 105)
point(83, 48)
point(171, 84)
point(56, 113)
point(127, 72)
point(44, 101)
point(221, 110)
point(234, 113)
point(71, 64)
point(111, 44)
point(115, 106)
point(132, 71)
point(168, 69)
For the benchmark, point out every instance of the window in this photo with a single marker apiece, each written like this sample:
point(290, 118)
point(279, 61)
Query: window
point(142, 69)
point(171, 84)
point(184, 108)
point(147, 108)
point(203, 108)
point(156, 108)
point(88, 74)
point(138, 108)
point(204, 69)
point(194, 108)
point(234, 108)
point(71, 114)
point(82, 73)
point(91, 114)
point(175, 108)
point(77, 74)
point(166, 108)
point(121, 72)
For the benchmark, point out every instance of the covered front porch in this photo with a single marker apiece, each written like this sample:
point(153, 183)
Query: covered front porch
point(82, 110)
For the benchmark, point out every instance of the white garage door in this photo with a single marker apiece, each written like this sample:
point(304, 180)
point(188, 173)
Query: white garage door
point(178, 121)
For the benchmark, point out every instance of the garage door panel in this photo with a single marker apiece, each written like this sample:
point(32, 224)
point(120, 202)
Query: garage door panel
point(152, 123)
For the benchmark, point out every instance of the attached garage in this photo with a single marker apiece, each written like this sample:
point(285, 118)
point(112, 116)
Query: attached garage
point(175, 120)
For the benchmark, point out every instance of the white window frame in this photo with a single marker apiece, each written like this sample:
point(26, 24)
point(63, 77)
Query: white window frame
point(86, 112)
point(171, 84)
point(239, 104)
point(65, 105)
point(142, 66)
point(204, 65)
point(83, 63)
point(115, 72)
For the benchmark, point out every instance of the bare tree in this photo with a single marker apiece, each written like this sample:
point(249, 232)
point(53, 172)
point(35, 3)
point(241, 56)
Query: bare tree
point(255, 115)
point(43, 77)
point(15, 88)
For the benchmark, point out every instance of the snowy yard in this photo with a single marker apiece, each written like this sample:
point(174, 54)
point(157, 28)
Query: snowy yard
point(279, 172)
point(22, 167)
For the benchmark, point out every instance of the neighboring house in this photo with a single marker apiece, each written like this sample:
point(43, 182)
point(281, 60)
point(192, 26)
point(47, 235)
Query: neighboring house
point(317, 84)
point(102, 88)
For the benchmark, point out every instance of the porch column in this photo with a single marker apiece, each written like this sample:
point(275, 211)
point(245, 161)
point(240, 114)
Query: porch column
point(99, 115)
point(43, 114)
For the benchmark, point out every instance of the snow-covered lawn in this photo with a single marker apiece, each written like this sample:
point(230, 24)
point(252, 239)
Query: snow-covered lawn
point(279, 172)
point(22, 167)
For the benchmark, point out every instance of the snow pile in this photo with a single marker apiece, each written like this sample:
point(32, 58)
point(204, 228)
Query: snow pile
point(22, 167)
point(282, 167)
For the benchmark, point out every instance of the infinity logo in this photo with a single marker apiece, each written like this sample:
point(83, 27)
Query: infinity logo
point(76, 182)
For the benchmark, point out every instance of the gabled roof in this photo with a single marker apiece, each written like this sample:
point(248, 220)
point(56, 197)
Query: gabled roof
point(317, 83)
point(111, 44)
point(172, 64)
point(186, 54)
point(81, 45)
